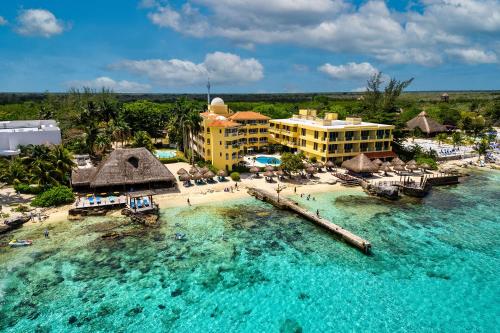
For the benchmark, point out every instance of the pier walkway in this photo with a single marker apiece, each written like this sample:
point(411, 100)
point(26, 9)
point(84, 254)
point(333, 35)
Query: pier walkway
point(284, 203)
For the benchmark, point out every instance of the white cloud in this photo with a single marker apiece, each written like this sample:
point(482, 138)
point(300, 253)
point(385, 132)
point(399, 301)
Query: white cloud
point(109, 83)
point(3, 21)
point(473, 56)
point(38, 22)
point(349, 71)
point(222, 68)
point(338, 26)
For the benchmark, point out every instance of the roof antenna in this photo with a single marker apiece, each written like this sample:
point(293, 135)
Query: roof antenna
point(208, 91)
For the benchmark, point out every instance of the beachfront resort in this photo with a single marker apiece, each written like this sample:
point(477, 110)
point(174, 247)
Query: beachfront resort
point(310, 183)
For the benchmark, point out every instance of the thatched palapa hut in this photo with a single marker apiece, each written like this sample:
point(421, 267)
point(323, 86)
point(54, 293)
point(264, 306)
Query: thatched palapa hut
point(124, 170)
point(360, 164)
point(426, 124)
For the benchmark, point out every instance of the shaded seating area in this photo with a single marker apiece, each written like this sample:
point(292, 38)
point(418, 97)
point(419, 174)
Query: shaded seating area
point(141, 201)
point(360, 165)
point(425, 124)
point(124, 170)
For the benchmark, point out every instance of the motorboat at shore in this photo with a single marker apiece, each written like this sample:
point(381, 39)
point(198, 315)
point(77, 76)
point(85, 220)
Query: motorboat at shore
point(20, 242)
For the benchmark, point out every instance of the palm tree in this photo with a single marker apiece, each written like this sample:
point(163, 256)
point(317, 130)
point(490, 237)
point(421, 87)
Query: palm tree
point(186, 118)
point(102, 143)
point(43, 173)
point(142, 139)
point(62, 159)
point(456, 139)
point(441, 137)
point(482, 148)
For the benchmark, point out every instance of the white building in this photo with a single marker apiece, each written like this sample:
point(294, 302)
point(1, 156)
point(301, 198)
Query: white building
point(26, 132)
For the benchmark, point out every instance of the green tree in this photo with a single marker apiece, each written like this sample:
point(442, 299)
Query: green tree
point(142, 139)
point(456, 139)
point(185, 118)
point(441, 137)
point(145, 116)
point(482, 148)
point(291, 162)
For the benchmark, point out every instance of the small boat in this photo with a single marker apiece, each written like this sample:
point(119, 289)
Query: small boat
point(20, 242)
point(180, 236)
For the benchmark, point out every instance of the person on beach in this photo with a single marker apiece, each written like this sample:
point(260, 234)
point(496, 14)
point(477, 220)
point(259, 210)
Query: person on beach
point(295, 190)
point(236, 186)
point(317, 212)
point(189, 202)
point(46, 233)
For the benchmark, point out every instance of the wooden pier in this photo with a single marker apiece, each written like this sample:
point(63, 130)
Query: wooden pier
point(284, 203)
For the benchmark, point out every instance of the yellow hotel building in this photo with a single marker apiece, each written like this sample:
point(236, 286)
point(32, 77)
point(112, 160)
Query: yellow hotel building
point(226, 136)
point(331, 139)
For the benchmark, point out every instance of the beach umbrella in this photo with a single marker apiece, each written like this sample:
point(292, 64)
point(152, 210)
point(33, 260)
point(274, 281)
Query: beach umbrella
point(254, 170)
point(311, 170)
point(269, 168)
point(204, 170)
point(385, 168)
point(398, 168)
point(208, 174)
point(193, 170)
point(411, 166)
point(425, 166)
point(397, 161)
point(360, 164)
point(185, 177)
point(378, 162)
point(330, 164)
point(280, 173)
point(182, 171)
point(412, 162)
point(197, 176)
point(268, 174)
point(222, 173)
point(387, 164)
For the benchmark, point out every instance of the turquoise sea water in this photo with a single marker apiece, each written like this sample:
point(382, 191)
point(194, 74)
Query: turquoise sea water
point(246, 267)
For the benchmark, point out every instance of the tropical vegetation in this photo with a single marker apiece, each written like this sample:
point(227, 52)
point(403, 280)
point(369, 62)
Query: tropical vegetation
point(55, 196)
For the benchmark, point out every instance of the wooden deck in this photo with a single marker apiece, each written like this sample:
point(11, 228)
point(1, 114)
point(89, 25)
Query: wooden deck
point(105, 202)
point(284, 203)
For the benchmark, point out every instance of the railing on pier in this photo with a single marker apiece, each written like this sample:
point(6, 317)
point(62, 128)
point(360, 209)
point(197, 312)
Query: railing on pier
point(284, 203)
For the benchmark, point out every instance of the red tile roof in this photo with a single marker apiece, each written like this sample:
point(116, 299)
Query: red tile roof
point(248, 115)
point(223, 123)
point(380, 154)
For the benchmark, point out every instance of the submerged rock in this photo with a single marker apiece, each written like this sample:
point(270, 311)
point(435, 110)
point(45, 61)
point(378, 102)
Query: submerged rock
point(290, 326)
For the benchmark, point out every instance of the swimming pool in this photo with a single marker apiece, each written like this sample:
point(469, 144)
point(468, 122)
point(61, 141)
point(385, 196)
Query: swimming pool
point(165, 153)
point(268, 160)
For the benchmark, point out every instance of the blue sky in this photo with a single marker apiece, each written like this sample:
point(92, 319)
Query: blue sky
point(247, 45)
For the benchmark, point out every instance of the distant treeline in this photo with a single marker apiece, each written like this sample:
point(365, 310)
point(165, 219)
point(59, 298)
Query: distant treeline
point(13, 98)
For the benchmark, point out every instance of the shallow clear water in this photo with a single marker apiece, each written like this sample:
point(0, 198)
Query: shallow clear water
point(246, 267)
point(165, 153)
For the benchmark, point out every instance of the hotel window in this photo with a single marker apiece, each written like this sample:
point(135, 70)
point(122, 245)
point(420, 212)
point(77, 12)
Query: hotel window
point(208, 130)
point(378, 145)
point(303, 131)
point(380, 134)
point(208, 151)
point(227, 156)
point(349, 135)
point(348, 147)
point(263, 130)
point(332, 148)
point(208, 141)
point(334, 136)
point(363, 146)
point(303, 143)
point(315, 146)
point(316, 133)
point(365, 135)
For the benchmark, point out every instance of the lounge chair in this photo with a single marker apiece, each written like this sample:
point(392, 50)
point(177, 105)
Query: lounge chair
point(111, 199)
point(91, 200)
point(98, 200)
point(139, 203)
point(146, 202)
point(132, 204)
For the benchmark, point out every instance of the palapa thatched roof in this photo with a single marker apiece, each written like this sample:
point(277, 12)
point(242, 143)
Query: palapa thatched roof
point(209, 174)
point(254, 169)
point(222, 173)
point(204, 170)
point(133, 166)
point(193, 170)
point(185, 177)
point(181, 171)
point(268, 174)
point(360, 164)
point(412, 162)
point(425, 123)
point(269, 168)
point(330, 164)
point(398, 168)
point(378, 161)
point(311, 170)
point(397, 161)
point(385, 168)
point(280, 172)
